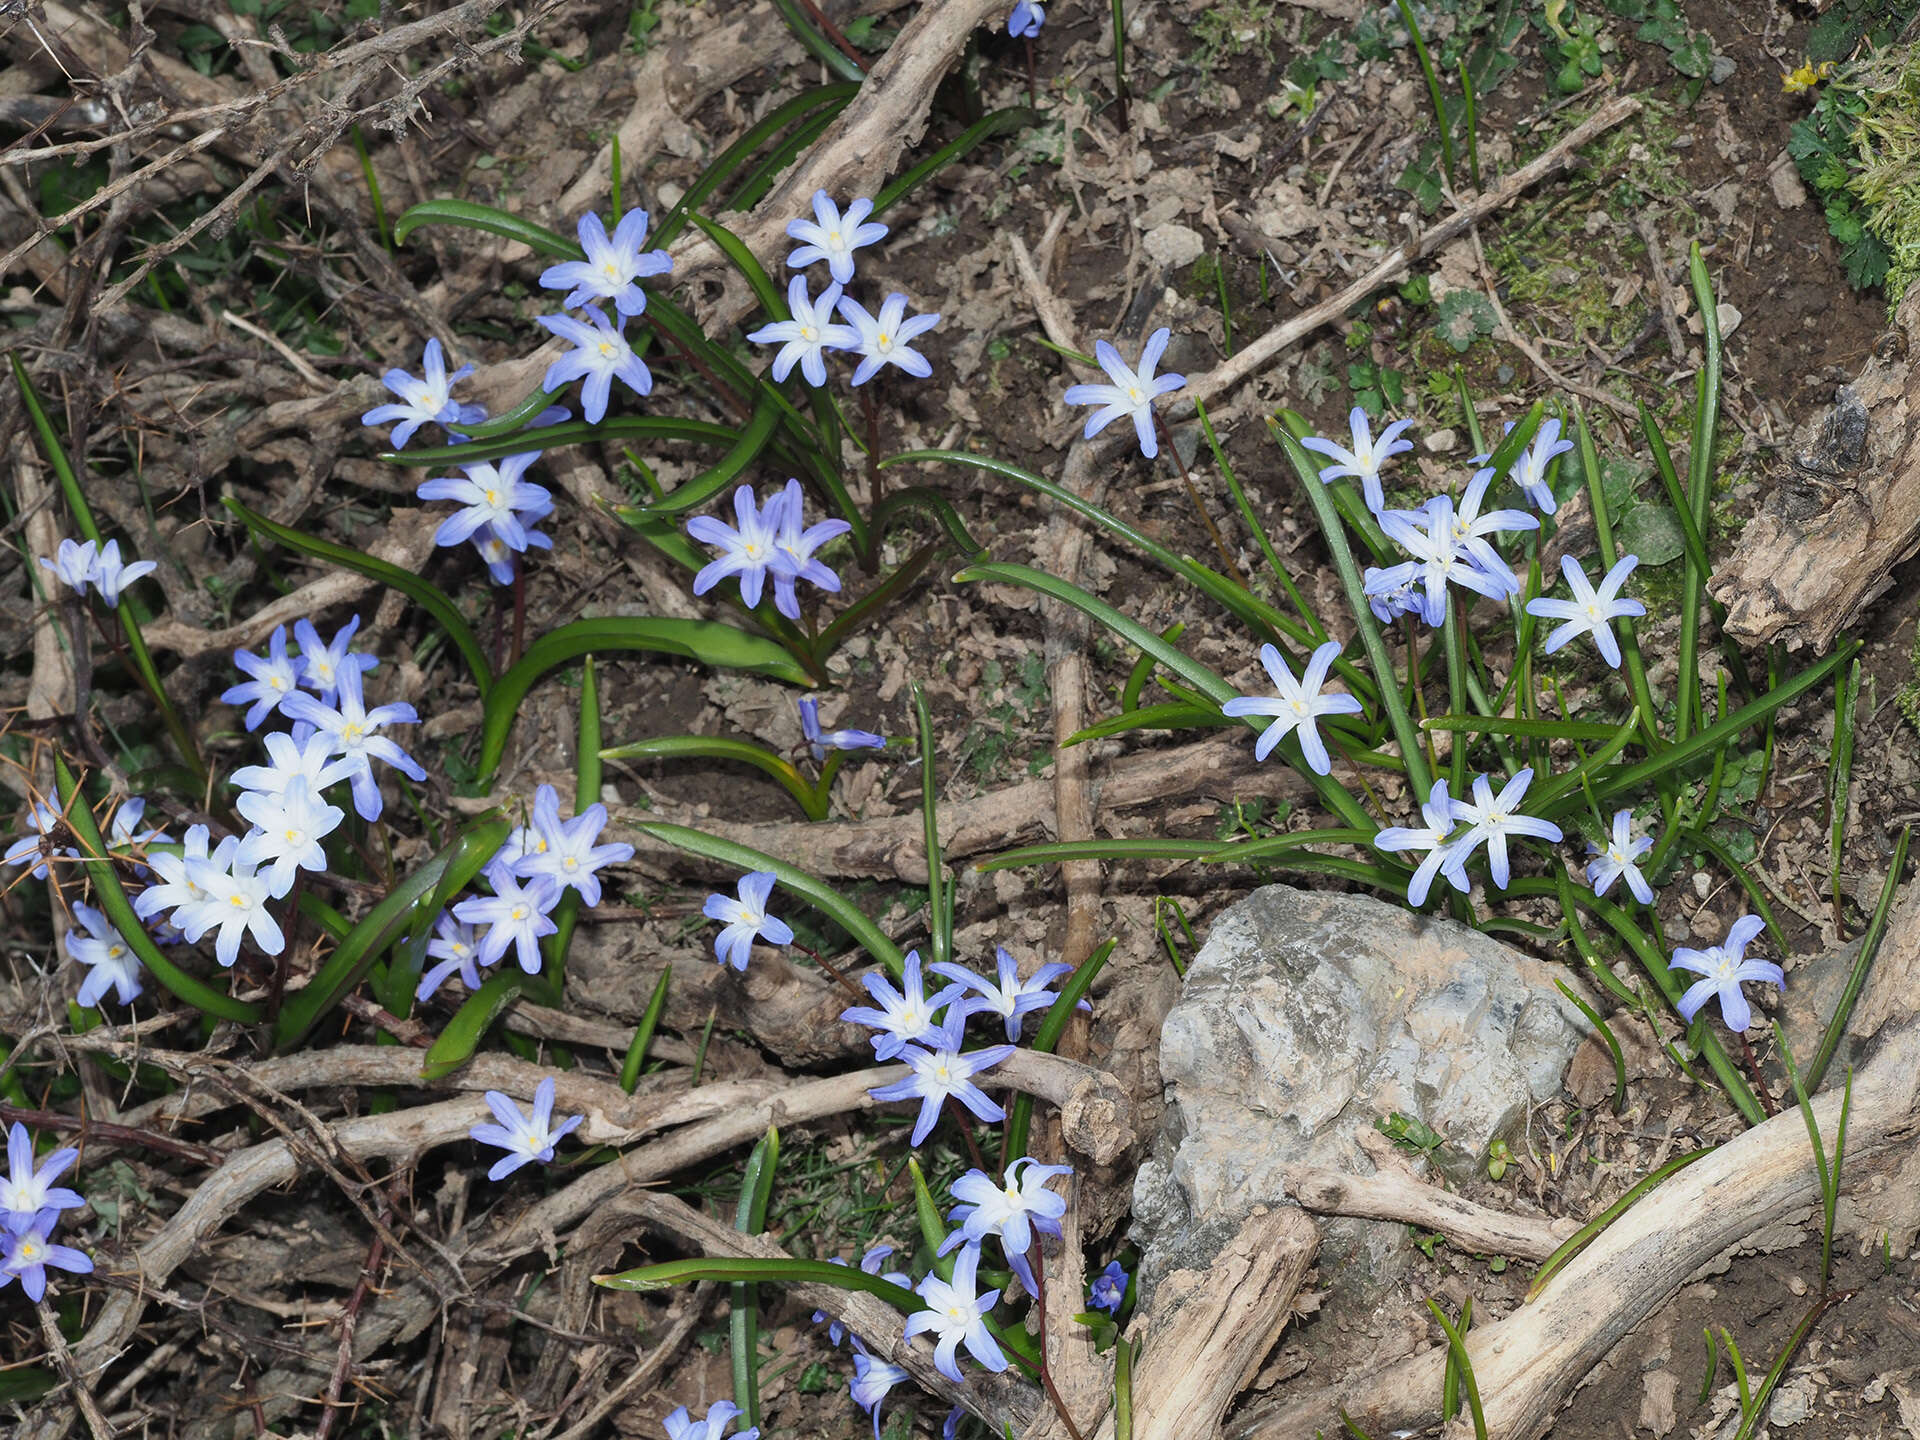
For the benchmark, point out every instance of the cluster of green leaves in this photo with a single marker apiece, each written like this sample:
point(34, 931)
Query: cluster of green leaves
point(1686, 749)
point(1822, 146)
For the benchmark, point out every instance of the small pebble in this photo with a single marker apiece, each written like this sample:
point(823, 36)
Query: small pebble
point(1441, 442)
point(1701, 884)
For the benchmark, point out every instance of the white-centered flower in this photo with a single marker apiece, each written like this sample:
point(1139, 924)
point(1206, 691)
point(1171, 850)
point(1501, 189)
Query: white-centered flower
point(288, 830)
point(832, 236)
point(1132, 393)
point(1592, 610)
point(1364, 460)
point(1298, 705)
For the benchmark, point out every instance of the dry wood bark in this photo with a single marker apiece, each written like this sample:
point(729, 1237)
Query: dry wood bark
point(1530, 1362)
point(1390, 1195)
point(1209, 1330)
point(1843, 510)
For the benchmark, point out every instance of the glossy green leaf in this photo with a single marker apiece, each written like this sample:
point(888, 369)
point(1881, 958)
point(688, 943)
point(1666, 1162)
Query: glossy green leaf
point(1585, 1235)
point(742, 259)
point(572, 432)
point(716, 747)
point(995, 122)
point(454, 1046)
point(113, 901)
point(424, 889)
point(831, 98)
point(1862, 963)
point(1522, 729)
point(417, 588)
point(1116, 851)
point(743, 1315)
point(816, 892)
point(472, 216)
point(636, 1055)
point(708, 641)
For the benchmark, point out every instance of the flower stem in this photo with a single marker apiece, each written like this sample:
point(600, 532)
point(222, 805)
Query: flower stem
point(1759, 1082)
point(1219, 541)
point(966, 1134)
point(845, 983)
point(1036, 1263)
point(1032, 91)
point(519, 610)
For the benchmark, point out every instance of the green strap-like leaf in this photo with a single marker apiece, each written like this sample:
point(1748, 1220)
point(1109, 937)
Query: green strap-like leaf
point(382, 926)
point(471, 216)
point(997, 122)
point(454, 1046)
point(742, 259)
point(717, 747)
point(707, 641)
point(815, 891)
point(415, 587)
point(572, 432)
point(729, 1268)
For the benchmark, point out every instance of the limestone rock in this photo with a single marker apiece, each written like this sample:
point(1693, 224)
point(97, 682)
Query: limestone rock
point(1307, 1016)
point(1172, 246)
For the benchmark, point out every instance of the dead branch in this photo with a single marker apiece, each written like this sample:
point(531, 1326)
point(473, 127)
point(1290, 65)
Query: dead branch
point(1527, 1364)
point(1477, 1229)
point(1251, 359)
point(1208, 1331)
point(893, 848)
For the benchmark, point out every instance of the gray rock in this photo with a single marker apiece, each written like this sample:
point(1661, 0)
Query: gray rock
point(1307, 1016)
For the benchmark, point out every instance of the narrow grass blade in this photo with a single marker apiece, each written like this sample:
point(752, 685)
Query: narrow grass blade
point(1677, 496)
point(1706, 417)
point(586, 793)
point(1200, 676)
point(1846, 694)
point(743, 1316)
point(1446, 162)
point(729, 162)
point(1756, 896)
point(743, 260)
point(1116, 851)
point(572, 432)
point(939, 897)
point(1517, 729)
point(1654, 962)
point(1584, 1236)
point(113, 901)
point(830, 902)
point(816, 42)
point(926, 1211)
point(757, 181)
point(471, 216)
point(1605, 1032)
point(1254, 612)
point(429, 596)
point(1460, 1361)
point(636, 1055)
point(1143, 668)
point(715, 747)
point(1603, 533)
point(1618, 780)
point(1315, 629)
point(708, 641)
point(1174, 715)
point(1713, 1365)
point(1122, 1389)
point(1862, 964)
point(996, 122)
point(1829, 1175)
point(1387, 688)
point(1052, 1027)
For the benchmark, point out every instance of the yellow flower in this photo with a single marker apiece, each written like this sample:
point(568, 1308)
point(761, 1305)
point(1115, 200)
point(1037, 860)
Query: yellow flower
point(1806, 77)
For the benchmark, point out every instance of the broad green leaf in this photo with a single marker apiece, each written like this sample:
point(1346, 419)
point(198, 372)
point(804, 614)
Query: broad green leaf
point(707, 641)
point(572, 432)
point(454, 1046)
point(717, 747)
